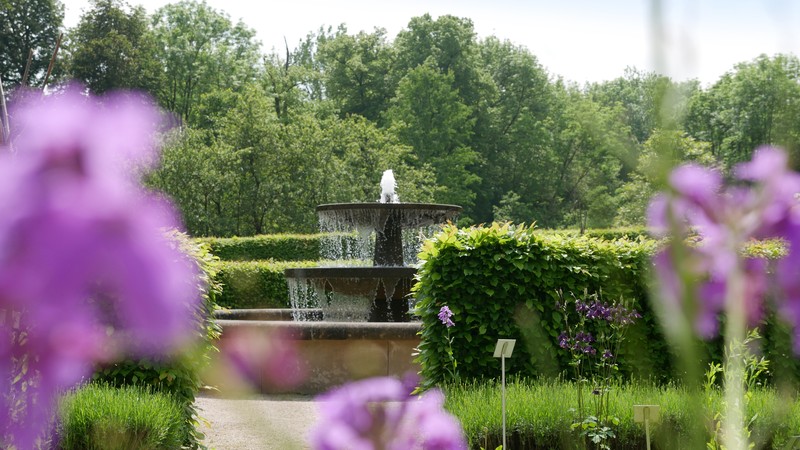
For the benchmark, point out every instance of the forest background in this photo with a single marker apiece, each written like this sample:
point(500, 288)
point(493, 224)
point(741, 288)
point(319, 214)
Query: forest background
point(259, 139)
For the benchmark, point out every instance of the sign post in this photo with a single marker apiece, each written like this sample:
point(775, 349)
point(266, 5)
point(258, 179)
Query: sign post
point(503, 350)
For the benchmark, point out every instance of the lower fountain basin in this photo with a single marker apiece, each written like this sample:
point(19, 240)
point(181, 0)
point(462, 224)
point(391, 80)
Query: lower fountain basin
point(360, 294)
point(332, 353)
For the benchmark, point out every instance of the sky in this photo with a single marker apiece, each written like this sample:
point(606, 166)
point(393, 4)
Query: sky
point(579, 40)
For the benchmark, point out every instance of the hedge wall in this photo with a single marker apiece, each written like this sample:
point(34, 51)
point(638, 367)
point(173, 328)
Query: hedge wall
point(609, 234)
point(278, 247)
point(255, 284)
point(501, 281)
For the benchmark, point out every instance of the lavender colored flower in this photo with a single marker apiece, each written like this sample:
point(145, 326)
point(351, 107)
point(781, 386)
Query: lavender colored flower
point(380, 413)
point(85, 264)
point(607, 354)
point(445, 316)
point(726, 218)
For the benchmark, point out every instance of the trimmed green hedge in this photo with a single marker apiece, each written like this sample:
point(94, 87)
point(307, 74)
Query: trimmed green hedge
point(501, 281)
point(255, 284)
point(278, 247)
point(608, 234)
point(101, 417)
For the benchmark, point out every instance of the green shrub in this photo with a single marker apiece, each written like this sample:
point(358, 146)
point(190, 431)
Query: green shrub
point(539, 416)
point(129, 418)
point(502, 281)
point(278, 247)
point(179, 376)
point(255, 284)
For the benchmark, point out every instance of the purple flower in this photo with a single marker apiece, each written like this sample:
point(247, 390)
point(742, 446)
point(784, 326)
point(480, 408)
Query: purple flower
point(726, 219)
point(607, 354)
point(563, 340)
point(444, 315)
point(380, 413)
point(250, 359)
point(85, 264)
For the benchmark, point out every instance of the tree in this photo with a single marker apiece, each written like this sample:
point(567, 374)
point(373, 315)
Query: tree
point(512, 135)
point(660, 153)
point(588, 140)
point(758, 103)
point(450, 43)
point(28, 26)
point(428, 115)
point(198, 173)
point(356, 72)
point(200, 51)
point(112, 48)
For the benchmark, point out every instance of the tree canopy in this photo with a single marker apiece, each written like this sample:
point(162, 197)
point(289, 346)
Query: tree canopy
point(262, 138)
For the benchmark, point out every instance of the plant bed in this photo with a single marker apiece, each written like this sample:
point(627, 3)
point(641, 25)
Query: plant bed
point(539, 415)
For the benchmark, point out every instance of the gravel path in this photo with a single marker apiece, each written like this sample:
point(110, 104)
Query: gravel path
point(255, 423)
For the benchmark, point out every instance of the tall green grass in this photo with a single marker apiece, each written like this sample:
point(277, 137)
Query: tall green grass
point(539, 415)
point(97, 417)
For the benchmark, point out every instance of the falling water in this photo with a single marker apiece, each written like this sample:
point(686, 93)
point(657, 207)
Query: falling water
point(382, 237)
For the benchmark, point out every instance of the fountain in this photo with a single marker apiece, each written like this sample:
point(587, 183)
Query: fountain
point(360, 290)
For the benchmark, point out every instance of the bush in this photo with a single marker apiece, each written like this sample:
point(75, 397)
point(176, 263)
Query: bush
point(278, 247)
point(130, 418)
point(179, 376)
point(502, 281)
point(539, 417)
point(255, 284)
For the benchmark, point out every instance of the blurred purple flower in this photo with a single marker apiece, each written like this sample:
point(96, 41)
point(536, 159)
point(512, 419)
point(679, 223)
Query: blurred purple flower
point(444, 315)
point(381, 413)
point(83, 251)
point(252, 360)
point(726, 219)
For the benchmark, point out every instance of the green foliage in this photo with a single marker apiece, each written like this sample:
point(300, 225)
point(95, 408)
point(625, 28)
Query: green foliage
point(757, 103)
point(428, 115)
point(101, 417)
point(40, 20)
point(255, 173)
point(278, 247)
point(355, 68)
point(179, 375)
point(256, 284)
point(538, 416)
point(608, 234)
point(501, 281)
point(199, 51)
point(112, 48)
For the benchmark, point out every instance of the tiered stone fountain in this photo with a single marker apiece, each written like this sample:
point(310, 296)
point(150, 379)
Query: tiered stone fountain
point(360, 291)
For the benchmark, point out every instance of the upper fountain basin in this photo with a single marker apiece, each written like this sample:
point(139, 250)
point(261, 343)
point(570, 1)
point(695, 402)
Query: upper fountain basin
point(374, 215)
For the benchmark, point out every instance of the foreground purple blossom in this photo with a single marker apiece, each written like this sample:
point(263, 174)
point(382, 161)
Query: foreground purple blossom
point(725, 219)
point(381, 413)
point(86, 269)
